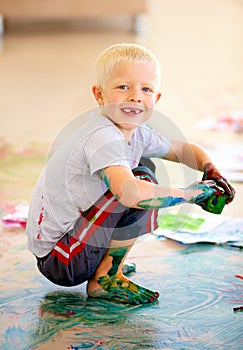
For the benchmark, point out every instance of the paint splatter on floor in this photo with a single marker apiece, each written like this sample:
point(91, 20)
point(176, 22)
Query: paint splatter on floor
point(197, 285)
point(198, 290)
point(20, 169)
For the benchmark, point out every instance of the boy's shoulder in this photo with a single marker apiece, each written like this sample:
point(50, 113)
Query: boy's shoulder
point(94, 127)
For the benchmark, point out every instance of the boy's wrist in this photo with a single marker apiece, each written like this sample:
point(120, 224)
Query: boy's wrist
point(199, 191)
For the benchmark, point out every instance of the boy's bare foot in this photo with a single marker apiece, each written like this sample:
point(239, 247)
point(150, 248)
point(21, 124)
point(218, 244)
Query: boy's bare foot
point(120, 289)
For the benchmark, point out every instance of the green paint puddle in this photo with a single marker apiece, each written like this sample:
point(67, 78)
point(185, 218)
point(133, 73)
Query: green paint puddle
point(176, 222)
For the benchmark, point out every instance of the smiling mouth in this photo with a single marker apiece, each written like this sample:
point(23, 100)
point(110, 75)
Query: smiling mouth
point(131, 111)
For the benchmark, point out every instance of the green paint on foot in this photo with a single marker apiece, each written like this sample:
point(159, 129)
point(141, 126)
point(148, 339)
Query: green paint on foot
point(117, 255)
point(124, 291)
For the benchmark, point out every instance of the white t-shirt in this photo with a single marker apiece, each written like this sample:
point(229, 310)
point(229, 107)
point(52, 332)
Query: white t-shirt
point(71, 182)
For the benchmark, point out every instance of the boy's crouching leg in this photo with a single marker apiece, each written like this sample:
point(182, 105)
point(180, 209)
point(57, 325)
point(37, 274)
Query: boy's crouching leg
point(108, 282)
point(63, 269)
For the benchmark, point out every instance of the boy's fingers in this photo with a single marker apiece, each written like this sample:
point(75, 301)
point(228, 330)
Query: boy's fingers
point(211, 183)
point(229, 190)
point(211, 173)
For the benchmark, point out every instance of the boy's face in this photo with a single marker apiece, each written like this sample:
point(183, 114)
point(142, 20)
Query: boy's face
point(129, 95)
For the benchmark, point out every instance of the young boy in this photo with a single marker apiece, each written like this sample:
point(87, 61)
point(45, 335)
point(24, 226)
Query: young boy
point(95, 196)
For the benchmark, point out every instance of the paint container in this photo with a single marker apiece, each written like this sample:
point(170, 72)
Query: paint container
point(215, 203)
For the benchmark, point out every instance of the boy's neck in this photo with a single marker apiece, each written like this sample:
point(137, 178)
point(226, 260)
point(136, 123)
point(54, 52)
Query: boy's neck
point(127, 133)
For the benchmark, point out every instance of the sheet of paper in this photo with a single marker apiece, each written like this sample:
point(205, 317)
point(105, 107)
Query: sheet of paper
point(219, 230)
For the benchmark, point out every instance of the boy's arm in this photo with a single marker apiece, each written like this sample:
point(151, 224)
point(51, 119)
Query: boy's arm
point(187, 153)
point(197, 158)
point(136, 193)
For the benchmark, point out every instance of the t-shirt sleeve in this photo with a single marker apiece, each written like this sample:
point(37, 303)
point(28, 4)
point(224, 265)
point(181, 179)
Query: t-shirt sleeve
point(155, 144)
point(106, 147)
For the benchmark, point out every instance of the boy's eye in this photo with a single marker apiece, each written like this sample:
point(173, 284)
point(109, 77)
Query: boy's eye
point(123, 87)
point(147, 89)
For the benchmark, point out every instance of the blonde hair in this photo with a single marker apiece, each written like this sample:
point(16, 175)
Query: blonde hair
point(125, 52)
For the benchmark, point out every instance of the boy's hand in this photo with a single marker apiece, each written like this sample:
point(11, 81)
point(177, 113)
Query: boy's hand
point(211, 173)
point(201, 190)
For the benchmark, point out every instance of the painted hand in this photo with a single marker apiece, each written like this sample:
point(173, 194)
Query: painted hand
point(203, 190)
point(211, 173)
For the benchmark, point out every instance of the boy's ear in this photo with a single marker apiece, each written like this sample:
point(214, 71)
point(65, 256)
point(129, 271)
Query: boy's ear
point(158, 95)
point(98, 94)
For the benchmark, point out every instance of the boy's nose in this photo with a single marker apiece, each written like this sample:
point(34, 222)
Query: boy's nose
point(135, 97)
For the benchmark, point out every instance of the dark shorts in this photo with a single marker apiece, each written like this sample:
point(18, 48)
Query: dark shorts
point(76, 256)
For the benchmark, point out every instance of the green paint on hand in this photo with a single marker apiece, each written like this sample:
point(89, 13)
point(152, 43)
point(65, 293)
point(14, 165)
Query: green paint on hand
point(207, 191)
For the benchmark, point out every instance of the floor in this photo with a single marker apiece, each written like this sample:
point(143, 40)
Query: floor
point(46, 70)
